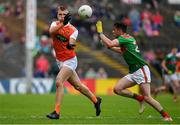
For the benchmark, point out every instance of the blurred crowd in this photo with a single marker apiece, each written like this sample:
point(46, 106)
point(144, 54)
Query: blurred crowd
point(92, 73)
point(146, 21)
point(5, 38)
point(44, 68)
point(8, 9)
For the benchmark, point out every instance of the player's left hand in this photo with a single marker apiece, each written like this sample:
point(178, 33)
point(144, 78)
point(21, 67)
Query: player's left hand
point(170, 72)
point(67, 18)
point(99, 26)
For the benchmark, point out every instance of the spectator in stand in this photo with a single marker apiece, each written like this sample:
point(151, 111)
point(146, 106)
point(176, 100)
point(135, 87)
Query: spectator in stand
point(101, 74)
point(90, 73)
point(19, 10)
point(8, 9)
point(146, 14)
point(41, 66)
point(44, 45)
point(147, 27)
point(7, 38)
point(157, 23)
point(45, 31)
point(126, 20)
point(146, 21)
point(2, 30)
point(109, 11)
point(177, 18)
point(2, 9)
point(53, 11)
point(134, 16)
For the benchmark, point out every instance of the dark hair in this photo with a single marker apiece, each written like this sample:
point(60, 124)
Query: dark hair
point(121, 26)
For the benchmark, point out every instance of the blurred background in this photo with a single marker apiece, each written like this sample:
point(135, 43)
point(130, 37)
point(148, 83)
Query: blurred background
point(154, 23)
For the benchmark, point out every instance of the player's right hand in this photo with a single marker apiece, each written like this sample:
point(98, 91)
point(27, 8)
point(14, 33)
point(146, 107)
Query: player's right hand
point(99, 26)
point(67, 18)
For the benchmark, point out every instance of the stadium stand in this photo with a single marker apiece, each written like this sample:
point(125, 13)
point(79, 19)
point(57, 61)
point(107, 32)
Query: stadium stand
point(13, 60)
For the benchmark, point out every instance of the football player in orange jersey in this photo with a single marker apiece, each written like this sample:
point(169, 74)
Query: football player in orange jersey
point(64, 37)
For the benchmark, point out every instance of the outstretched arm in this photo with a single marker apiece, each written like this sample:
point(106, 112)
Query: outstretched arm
point(109, 43)
point(116, 49)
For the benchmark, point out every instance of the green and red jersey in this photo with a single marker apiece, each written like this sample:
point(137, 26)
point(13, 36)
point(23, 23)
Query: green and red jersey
point(131, 53)
point(171, 62)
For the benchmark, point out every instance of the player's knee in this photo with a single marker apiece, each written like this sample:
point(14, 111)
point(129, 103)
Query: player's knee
point(117, 90)
point(59, 84)
point(77, 87)
point(177, 86)
point(147, 98)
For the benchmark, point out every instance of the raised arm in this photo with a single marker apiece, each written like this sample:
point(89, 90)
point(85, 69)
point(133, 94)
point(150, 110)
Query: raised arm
point(55, 27)
point(109, 43)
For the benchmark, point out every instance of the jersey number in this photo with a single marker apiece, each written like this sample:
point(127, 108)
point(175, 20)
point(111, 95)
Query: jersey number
point(136, 47)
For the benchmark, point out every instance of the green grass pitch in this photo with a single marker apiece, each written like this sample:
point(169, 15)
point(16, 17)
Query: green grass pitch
point(76, 109)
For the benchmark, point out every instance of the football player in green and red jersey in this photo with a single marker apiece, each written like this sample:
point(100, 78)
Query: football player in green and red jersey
point(169, 67)
point(139, 72)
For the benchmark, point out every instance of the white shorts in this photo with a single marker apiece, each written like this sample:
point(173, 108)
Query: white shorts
point(169, 78)
point(142, 75)
point(178, 76)
point(70, 63)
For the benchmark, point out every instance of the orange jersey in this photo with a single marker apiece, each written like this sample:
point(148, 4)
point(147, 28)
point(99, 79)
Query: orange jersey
point(178, 66)
point(61, 40)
